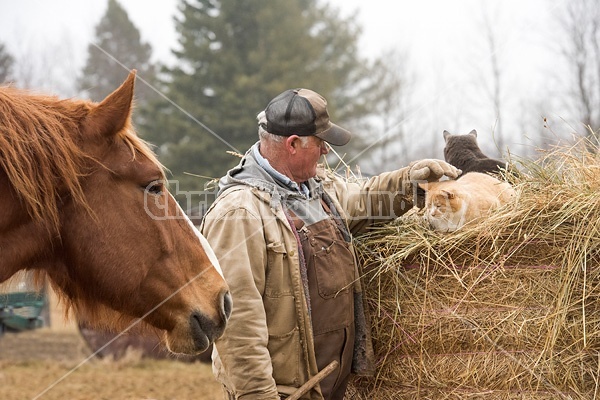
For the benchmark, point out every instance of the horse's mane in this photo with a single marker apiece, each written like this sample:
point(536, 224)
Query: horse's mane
point(40, 150)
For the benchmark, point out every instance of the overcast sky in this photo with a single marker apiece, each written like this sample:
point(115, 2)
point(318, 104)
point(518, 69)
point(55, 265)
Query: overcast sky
point(443, 39)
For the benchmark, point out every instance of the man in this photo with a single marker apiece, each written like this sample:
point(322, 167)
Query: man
point(282, 233)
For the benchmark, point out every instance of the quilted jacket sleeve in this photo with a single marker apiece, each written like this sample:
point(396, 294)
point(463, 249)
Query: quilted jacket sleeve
point(236, 235)
point(379, 199)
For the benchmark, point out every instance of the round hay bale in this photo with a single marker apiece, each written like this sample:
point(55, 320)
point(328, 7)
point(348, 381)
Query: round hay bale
point(505, 308)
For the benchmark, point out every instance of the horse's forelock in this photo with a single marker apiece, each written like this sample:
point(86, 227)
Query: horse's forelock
point(139, 146)
point(38, 151)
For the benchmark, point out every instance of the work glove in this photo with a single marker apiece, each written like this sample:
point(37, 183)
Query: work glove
point(431, 170)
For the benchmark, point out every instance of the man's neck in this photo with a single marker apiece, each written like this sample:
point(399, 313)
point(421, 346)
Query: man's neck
point(274, 157)
point(278, 175)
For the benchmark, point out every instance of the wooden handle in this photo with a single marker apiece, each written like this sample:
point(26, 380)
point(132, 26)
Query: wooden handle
point(314, 380)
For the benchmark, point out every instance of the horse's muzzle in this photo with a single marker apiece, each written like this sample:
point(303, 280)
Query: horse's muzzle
point(205, 330)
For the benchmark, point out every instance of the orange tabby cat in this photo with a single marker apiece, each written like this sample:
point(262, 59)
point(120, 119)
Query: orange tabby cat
point(451, 204)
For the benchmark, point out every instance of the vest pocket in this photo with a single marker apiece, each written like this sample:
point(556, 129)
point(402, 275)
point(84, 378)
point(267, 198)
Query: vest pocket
point(334, 267)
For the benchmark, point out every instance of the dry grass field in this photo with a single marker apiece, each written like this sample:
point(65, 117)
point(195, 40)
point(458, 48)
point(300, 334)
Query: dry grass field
point(51, 365)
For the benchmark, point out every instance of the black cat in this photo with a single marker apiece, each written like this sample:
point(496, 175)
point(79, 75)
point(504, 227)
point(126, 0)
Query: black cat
point(463, 152)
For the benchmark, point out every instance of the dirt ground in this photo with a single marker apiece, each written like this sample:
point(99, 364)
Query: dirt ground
point(54, 365)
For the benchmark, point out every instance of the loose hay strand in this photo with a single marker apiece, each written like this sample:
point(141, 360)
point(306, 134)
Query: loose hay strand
point(505, 308)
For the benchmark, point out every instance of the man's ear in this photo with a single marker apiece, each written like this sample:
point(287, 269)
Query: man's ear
point(292, 143)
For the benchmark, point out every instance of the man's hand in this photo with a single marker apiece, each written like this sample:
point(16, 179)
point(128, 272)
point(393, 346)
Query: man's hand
point(431, 170)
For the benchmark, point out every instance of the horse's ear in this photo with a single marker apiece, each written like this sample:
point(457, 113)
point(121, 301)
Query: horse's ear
point(114, 112)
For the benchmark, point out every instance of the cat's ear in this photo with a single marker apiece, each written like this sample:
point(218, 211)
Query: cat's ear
point(446, 135)
point(424, 185)
point(473, 133)
point(447, 194)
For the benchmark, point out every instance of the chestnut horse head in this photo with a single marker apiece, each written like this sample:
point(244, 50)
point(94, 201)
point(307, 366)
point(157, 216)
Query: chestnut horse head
point(84, 202)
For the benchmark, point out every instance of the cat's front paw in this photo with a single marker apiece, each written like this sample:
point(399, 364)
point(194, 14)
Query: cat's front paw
point(432, 170)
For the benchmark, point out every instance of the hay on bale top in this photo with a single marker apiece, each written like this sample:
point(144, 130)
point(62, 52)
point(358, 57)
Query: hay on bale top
point(503, 308)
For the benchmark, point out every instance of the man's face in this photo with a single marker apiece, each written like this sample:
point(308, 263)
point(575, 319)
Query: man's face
point(304, 164)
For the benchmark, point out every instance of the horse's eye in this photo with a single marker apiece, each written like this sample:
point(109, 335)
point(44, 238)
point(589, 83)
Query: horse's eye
point(154, 187)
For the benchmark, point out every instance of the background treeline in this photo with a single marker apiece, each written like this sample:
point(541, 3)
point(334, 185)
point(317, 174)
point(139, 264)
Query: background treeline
point(232, 57)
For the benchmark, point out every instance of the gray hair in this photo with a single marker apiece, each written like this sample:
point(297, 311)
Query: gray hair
point(264, 135)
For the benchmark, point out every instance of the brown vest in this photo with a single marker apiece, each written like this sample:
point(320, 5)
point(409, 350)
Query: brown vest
point(330, 274)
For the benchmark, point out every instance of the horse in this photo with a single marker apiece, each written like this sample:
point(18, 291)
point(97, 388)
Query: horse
point(84, 203)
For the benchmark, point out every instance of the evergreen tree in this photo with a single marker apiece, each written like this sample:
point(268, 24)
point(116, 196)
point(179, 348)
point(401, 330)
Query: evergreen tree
point(6, 63)
point(117, 46)
point(235, 56)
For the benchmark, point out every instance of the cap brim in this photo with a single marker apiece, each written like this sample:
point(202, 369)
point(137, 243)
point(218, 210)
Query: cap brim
point(335, 135)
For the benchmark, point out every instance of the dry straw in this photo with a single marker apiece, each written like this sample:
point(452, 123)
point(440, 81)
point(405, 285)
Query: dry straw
point(506, 308)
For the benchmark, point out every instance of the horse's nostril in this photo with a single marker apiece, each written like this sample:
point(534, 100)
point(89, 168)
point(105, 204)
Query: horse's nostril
point(227, 305)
